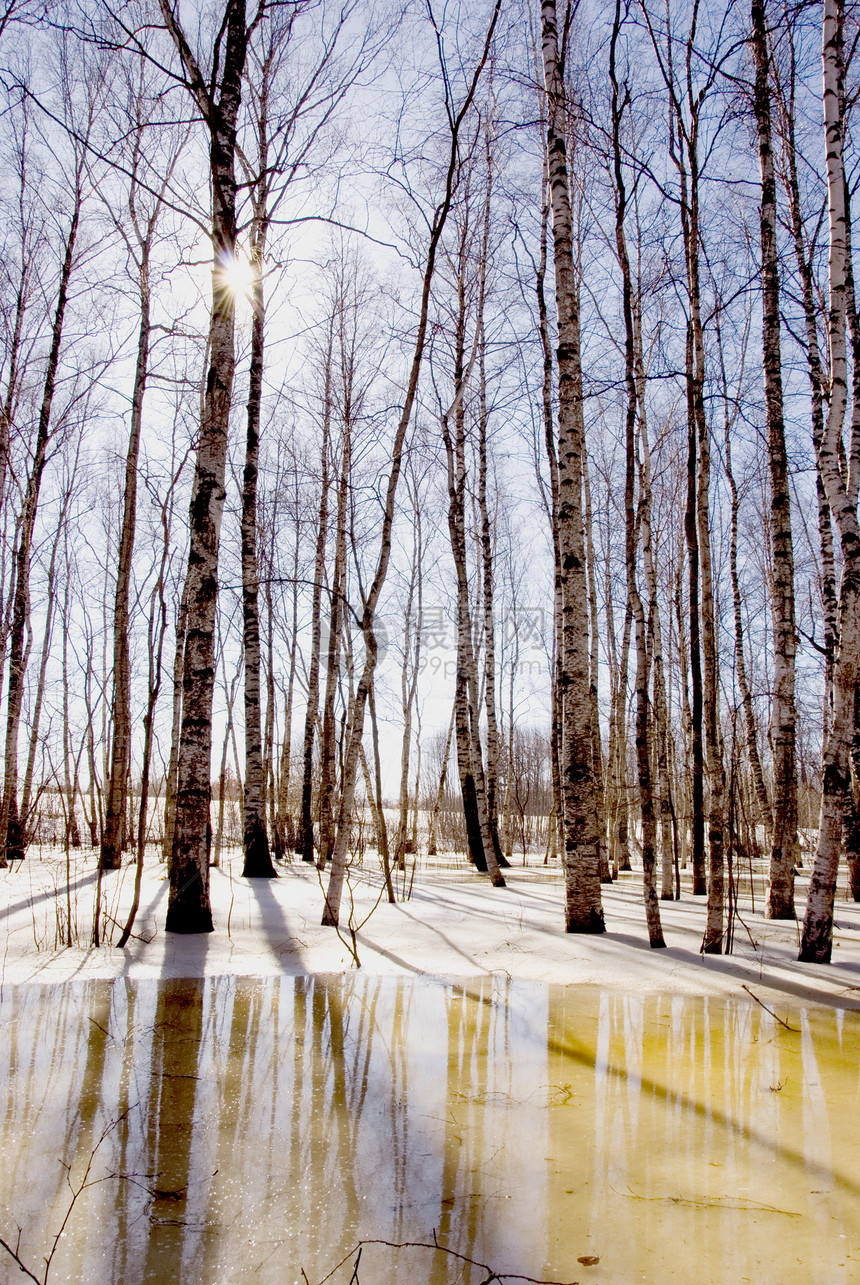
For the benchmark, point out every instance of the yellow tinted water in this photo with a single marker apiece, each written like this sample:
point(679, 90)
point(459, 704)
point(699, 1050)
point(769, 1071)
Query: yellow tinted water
point(243, 1130)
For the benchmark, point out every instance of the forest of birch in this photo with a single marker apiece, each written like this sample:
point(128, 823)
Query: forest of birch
point(433, 429)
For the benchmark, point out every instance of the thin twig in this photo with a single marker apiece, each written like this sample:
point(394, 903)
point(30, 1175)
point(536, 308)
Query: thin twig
point(13, 1253)
point(434, 1245)
point(727, 1202)
point(82, 1186)
point(769, 1010)
point(133, 936)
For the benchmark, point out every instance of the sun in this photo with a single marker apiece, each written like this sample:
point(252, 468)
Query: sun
point(236, 274)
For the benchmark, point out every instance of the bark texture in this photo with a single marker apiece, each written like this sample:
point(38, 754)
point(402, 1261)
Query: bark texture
point(312, 709)
point(258, 860)
point(784, 848)
point(817, 937)
point(643, 720)
point(473, 783)
point(188, 906)
point(111, 848)
point(583, 906)
point(804, 254)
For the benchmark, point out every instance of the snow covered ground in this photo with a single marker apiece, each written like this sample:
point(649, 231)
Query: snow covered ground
point(454, 924)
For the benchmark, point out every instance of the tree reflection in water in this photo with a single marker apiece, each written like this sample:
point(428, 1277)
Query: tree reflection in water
point(261, 1127)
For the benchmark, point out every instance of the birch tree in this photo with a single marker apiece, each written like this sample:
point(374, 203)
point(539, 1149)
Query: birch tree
point(291, 104)
point(784, 849)
point(455, 119)
point(312, 708)
point(452, 422)
point(137, 226)
point(80, 186)
point(817, 937)
point(583, 906)
point(619, 102)
point(216, 95)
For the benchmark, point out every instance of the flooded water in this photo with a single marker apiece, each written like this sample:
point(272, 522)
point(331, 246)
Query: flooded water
point(242, 1130)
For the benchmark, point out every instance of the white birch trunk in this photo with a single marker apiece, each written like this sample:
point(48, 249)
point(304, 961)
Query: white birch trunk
point(817, 938)
point(583, 907)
